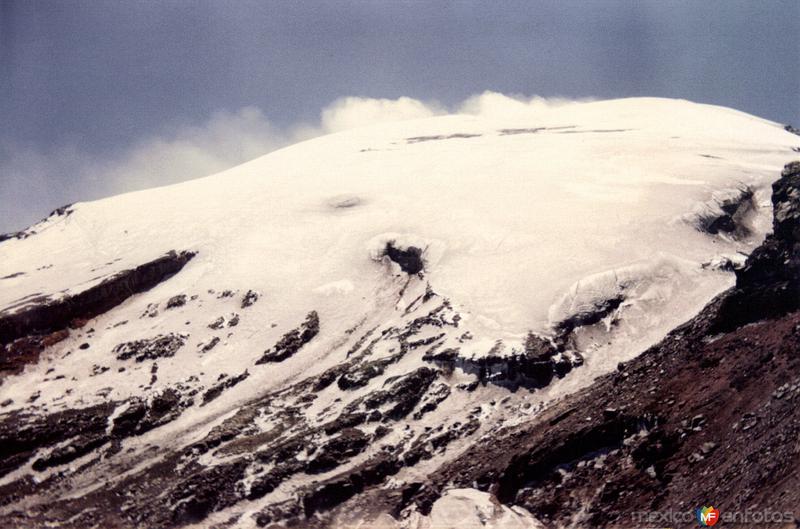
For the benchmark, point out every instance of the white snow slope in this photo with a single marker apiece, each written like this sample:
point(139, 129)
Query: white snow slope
point(524, 221)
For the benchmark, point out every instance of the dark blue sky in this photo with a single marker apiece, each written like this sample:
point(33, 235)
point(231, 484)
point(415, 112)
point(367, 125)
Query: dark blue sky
point(98, 76)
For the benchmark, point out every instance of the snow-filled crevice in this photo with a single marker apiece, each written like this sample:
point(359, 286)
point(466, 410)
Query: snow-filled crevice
point(618, 310)
point(594, 312)
point(728, 212)
point(438, 137)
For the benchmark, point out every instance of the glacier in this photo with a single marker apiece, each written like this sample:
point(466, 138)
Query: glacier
point(583, 224)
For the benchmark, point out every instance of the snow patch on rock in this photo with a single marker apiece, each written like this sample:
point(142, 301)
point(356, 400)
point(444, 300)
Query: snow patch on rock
point(473, 509)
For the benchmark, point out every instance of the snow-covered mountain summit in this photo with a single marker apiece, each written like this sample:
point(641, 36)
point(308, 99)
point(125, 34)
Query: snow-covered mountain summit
point(366, 303)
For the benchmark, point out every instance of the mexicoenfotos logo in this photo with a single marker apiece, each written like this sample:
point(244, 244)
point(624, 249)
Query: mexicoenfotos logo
point(707, 516)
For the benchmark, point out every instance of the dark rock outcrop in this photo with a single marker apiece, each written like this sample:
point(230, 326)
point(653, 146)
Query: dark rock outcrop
point(21, 435)
point(212, 343)
point(359, 375)
point(64, 436)
point(349, 442)
point(589, 316)
point(63, 211)
point(198, 495)
point(769, 284)
point(26, 350)
point(403, 394)
point(729, 214)
point(293, 340)
point(535, 367)
point(333, 492)
point(249, 299)
point(409, 259)
point(176, 301)
point(216, 390)
point(162, 346)
point(53, 315)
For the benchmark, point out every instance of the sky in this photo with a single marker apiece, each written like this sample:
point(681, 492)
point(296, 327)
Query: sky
point(99, 97)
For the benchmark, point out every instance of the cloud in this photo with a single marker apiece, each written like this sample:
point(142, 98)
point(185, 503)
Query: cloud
point(225, 140)
point(351, 112)
point(496, 105)
point(34, 182)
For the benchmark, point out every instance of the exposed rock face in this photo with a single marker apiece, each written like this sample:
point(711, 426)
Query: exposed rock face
point(636, 441)
point(15, 355)
point(176, 301)
point(21, 435)
point(729, 213)
point(359, 375)
point(226, 383)
point(72, 434)
point(151, 348)
point(249, 299)
point(769, 284)
point(206, 347)
point(535, 367)
point(55, 315)
point(409, 259)
point(63, 211)
point(27, 331)
point(293, 340)
point(270, 441)
point(349, 442)
point(588, 316)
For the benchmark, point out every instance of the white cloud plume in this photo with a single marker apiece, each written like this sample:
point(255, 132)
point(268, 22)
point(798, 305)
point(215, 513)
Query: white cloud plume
point(496, 105)
point(351, 112)
point(33, 182)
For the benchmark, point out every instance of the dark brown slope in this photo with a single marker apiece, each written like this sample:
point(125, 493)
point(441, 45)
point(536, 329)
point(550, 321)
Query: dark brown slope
point(710, 416)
